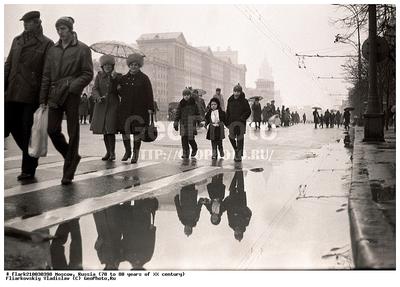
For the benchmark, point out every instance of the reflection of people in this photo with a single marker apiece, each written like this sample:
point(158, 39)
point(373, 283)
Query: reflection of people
point(188, 208)
point(22, 75)
point(216, 192)
point(139, 232)
point(109, 230)
point(57, 249)
point(236, 206)
point(137, 104)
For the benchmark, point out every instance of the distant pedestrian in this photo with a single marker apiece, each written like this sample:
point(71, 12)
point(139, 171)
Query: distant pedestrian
point(237, 112)
point(23, 70)
point(220, 98)
point(136, 107)
point(215, 120)
point(256, 109)
point(304, 118)
point(67, 71)
point(91, 108)
point(338, 116)
point(156, 110)
point(83, 109)
point(105, 113)
point(186, 117)
point(346, 116)
point(327, 117)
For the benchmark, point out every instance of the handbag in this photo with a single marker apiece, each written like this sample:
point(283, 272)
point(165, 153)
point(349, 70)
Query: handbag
point(38, 141)
point(150, 131)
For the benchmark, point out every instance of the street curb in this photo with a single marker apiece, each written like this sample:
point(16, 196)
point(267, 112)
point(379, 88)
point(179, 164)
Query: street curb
point(373, 242)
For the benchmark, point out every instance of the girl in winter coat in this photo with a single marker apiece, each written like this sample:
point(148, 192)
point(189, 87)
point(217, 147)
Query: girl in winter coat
point(215, 120)
point(187, 114)
point(105, 112)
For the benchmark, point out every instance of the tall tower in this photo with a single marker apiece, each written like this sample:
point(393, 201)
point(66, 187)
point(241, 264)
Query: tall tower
point(265, 71)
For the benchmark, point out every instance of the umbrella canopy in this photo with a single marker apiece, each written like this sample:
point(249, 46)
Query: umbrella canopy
point(114, 48)
point(318, 108)
point(255, 97)
point(349, 109)
point(200, 92)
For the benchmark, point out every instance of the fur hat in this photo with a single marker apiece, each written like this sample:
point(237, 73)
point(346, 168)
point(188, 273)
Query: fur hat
point(107, 59)
point(67, 21)
point(135, 58)
point(186, 91)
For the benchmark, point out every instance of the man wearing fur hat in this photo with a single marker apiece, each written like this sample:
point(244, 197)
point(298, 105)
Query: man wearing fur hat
point(137, 104)
point(22, 76)
point(67, 71)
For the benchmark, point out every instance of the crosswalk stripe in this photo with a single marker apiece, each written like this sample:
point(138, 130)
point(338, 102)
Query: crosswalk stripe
point(51, 164)
point(94, 204)
point(22, 189)
point(19, 157)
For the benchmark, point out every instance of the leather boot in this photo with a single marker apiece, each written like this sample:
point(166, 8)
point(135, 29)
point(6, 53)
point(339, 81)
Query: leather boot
point(107, 144)
point(111, 144)
point(136, 150)
point(128, 151)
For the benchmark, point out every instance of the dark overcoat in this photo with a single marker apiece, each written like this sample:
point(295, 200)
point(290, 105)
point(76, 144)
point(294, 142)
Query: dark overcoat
point(237, 111)
point(187, 206)
point(24, 67)
point(105, 112)
point(137, 99)
point(187, 114)
point(256, 108)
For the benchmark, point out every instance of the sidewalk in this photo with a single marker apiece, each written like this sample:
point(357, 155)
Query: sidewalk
point(372, 202)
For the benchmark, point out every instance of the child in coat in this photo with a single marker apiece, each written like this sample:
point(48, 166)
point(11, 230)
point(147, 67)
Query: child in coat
point(215, 120)
point(187, 114)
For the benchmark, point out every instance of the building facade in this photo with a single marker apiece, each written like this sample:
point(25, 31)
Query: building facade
point(172, 64)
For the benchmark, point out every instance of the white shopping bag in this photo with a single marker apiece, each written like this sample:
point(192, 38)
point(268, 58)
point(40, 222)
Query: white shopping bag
point(38, 141)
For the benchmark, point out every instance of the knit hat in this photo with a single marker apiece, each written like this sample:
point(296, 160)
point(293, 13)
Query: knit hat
point(67, 21)
point(237, 88)
point(135, 58)
point(107, 59)
point(186, 91)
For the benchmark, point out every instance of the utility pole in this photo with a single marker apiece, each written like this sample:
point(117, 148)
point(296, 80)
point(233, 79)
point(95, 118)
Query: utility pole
point(374, 122)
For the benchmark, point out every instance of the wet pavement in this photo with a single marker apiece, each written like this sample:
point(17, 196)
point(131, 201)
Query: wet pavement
point(287, 210)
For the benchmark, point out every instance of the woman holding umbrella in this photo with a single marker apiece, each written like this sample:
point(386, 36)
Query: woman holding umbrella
point(136, 105)
point(106, 99)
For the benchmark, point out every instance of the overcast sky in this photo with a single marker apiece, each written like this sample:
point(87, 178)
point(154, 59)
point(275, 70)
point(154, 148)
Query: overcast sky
point(284, 31)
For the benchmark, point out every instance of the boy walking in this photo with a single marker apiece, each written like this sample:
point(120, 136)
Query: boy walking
point(237, 112)
point(186, 116)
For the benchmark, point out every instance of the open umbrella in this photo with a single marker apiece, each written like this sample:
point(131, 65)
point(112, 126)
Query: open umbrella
point(114, 48)
point(200, 92)
point(255, 97)
point(349, 109)
point(318, 108)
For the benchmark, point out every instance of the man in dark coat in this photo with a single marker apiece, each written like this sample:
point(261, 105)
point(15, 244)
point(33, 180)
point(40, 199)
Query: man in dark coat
point(238, 212)
point(237, 112)
point(327, 117)
point(22, 77)
point(188, 208)
point(67, 71)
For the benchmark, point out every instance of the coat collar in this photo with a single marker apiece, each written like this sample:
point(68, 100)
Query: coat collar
point(73, 43)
